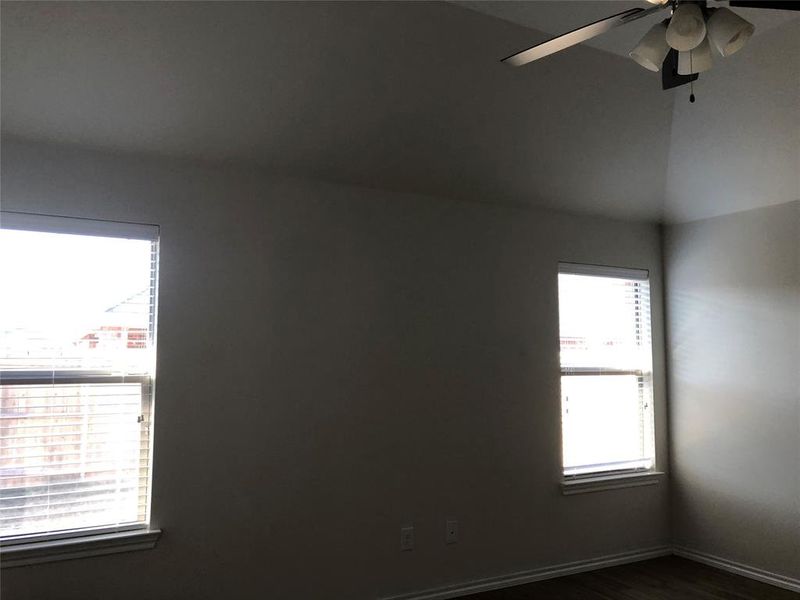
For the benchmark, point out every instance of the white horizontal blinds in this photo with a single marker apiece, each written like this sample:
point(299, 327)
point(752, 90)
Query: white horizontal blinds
point(604, 323)
point(76, 365)
point(76, 302)
point(73, 456)
point(606, 366)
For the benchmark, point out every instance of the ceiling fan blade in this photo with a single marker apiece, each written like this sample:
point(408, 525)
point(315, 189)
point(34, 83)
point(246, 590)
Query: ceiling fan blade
point(773, 4)
point(669, 72)
point(579, 35)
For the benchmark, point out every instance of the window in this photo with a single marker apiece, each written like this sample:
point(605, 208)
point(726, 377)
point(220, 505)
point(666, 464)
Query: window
point(606, 370)
point(77, 356)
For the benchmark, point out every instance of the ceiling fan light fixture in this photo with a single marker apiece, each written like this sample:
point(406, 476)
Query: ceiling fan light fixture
point(687, 28)
point(696, 60)
point(728, 31)
point(652, 49)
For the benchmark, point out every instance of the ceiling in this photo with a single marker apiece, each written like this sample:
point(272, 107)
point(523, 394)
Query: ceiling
point(402, 96)
point(738, 146)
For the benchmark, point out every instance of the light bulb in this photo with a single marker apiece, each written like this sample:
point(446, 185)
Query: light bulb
point(652, 49)
point(686, 27)
point(696, 60)
point(728, 31)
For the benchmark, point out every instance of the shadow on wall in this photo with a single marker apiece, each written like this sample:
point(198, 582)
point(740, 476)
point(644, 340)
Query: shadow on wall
point(734, 313)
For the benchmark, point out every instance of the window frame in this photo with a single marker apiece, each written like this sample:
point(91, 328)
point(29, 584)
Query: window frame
point(606, 479)
point(36, 547)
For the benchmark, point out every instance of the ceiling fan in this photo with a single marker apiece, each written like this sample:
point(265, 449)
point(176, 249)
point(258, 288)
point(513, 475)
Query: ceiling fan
point(679, 46)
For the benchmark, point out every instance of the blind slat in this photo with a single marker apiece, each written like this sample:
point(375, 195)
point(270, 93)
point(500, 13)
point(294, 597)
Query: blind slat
point(82, 480)
point(134, 485)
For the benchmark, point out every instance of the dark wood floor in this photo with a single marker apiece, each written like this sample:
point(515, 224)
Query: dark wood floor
point(669, 578)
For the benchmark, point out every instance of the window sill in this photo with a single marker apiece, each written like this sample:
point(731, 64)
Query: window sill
point(586, 485)
point(18, 555)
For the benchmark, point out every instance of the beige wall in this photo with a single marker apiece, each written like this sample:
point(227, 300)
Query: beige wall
point(733, 307)
point(334, 362)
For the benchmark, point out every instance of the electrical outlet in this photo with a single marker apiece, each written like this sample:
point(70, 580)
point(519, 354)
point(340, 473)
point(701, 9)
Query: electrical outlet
point(451, 532)
point(407, 538)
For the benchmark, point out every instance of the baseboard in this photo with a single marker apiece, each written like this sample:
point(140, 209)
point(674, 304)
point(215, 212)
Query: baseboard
point(523, 577)
point(782, 581)
point(602, 562)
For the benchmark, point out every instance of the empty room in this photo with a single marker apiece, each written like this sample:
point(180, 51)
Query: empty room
point(374, 300)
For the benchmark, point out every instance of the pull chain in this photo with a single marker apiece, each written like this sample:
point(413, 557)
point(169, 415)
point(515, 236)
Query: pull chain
point(691, 70)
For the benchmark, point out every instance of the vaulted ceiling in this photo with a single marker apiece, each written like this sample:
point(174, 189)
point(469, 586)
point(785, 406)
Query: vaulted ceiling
point(401, 96)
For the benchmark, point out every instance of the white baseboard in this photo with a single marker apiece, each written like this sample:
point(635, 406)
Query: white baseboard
point(782, 581)
point(523, 577)
point(602, 562)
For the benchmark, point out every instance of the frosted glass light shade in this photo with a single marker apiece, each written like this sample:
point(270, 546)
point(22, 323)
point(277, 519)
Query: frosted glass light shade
point(652, 49)
point(686, 28)
point(695, 61)
point(728, 31)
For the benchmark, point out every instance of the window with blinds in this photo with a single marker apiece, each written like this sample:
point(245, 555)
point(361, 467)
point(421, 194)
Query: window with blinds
point(77, 357)
point(606, 370)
